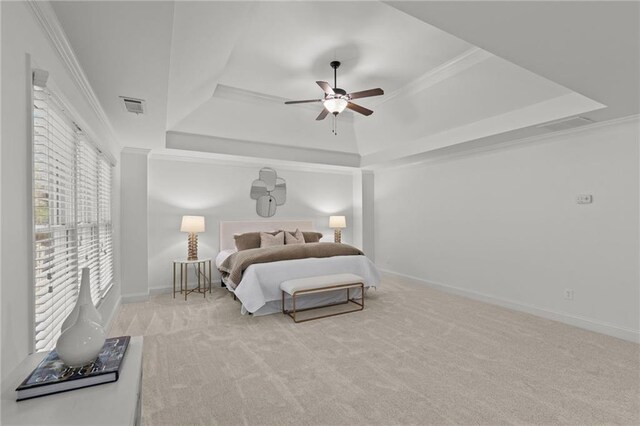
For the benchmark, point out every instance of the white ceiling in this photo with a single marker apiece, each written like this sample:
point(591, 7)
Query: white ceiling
point(591, 47)
point(286, 46)
point(123, 47)
point(490, 87)
point(221, 70)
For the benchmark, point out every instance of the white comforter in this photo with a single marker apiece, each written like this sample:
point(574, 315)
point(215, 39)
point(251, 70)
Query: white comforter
point(259, 290)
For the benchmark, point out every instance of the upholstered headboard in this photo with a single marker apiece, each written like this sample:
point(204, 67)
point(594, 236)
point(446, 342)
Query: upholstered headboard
point(230, 228)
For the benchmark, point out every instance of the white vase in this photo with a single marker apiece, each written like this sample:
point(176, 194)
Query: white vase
point(84, 298)
point(81, 343)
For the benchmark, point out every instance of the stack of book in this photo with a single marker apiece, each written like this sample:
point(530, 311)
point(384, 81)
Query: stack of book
point(53, 376)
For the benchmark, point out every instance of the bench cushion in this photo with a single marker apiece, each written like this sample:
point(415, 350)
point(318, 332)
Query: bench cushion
point(320, 281)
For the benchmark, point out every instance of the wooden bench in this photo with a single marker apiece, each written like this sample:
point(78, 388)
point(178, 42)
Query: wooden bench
point(321, 284)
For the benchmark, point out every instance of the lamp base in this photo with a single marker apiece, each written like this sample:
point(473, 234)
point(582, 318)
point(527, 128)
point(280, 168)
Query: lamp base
point(193, 246)
point(337, 236)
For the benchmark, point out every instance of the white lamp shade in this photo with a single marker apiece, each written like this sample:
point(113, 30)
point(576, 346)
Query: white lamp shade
point(337, 222)
point(335, 105)
point(192, 224)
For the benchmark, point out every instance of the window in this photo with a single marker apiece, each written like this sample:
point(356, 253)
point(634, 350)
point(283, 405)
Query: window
point(72, 216)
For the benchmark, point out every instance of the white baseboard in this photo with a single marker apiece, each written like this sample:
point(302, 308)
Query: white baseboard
point(577, 321)
point(153, 291)
point(136, 297)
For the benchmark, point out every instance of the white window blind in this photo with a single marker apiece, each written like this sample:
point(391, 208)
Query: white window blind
point(55, 251)
point(72, 220)
point(87, 213)
point(105, 228)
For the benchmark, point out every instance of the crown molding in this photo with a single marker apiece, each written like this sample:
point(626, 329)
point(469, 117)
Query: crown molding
point(261, 150)
point(500, 127)
point(247, 162)
point(579, 129)
point(48, 21)
point(237, 94)
point(442, 72)
point(502, 146)
point(134, 150)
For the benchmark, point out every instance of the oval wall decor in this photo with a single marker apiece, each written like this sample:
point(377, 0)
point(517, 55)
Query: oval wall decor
point(269, 191)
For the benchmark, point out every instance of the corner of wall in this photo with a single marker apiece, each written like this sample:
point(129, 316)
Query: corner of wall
point(134, 217)
point(357, 209)
point(110, 307)
point(368, 226)
point(504, 226)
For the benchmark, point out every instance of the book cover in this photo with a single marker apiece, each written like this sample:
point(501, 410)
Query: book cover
point(52, 375)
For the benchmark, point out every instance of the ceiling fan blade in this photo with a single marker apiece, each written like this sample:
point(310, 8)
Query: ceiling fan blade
point(326, 87)
point(302, 102)
point(322, 114)
point(366, 93)
point(358, 108)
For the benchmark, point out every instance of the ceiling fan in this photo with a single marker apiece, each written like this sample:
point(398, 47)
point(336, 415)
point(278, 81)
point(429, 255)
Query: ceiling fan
point(335, 100)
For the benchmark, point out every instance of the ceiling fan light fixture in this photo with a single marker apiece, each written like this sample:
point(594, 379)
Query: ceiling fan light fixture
point(335, 100)
point(335, 105)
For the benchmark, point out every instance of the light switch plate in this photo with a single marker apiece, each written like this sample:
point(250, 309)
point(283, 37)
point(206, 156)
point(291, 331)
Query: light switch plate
point(584, 199)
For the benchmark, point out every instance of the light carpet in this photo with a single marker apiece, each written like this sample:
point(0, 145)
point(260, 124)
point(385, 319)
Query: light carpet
point(413, 356)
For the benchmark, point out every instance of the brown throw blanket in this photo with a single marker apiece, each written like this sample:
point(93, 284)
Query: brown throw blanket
point(234, 266)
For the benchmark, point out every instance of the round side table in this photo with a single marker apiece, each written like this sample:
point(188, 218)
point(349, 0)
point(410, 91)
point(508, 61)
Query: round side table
point(202, 273)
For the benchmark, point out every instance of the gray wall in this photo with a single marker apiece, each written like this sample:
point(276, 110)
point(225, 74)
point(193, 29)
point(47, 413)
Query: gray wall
point(134, 235)
point(220, 192)
point(26, 46)
point(504, 226)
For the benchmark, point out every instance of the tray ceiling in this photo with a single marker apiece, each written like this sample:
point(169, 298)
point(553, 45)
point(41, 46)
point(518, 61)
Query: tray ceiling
point(222, 70)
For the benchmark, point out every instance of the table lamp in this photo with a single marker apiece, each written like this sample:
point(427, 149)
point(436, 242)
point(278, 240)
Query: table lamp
point(192, 225)
point(337, 223)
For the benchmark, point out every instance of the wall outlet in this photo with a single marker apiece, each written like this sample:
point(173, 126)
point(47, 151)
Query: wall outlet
point(568, 294)
point(584, 199)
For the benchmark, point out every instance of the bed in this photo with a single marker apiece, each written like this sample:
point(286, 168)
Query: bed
point(258, 289)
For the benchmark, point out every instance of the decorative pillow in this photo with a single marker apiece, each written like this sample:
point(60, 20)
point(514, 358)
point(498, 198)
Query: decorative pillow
point(311, 236)
point(249, 240)
point(270, 240)
point(293, 238)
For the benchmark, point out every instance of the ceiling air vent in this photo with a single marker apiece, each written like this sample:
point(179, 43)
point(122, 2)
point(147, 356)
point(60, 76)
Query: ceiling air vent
point(567, 123)
point(136, 106)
